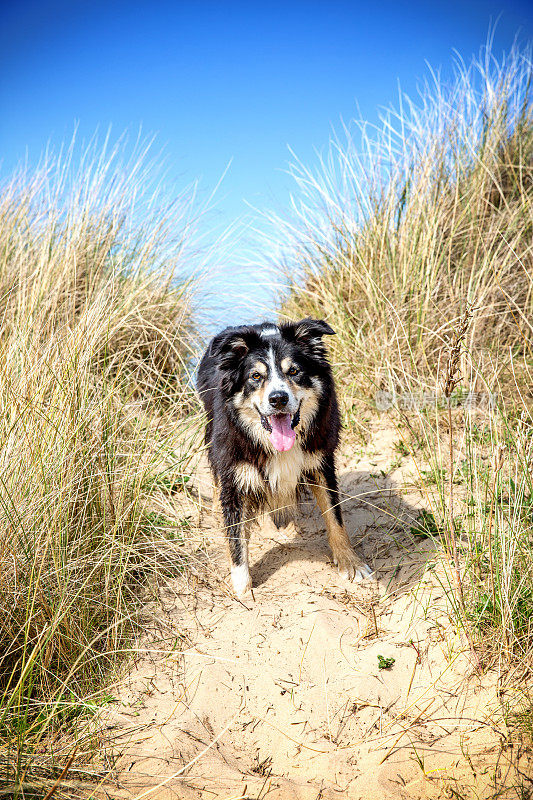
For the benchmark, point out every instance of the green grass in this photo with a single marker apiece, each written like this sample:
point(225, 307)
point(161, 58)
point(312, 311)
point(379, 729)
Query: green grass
point(385, 663)
point(415, 242)
point(395, 238)
point(97, 431)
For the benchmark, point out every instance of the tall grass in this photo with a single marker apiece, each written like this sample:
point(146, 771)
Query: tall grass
point(400, 227)
point(95, 334)
point(415, 241)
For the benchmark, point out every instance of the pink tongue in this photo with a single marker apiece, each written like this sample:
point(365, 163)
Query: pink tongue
point(282, 436)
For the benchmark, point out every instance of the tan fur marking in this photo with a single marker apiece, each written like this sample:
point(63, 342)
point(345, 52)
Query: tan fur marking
point(286, 364)
point(237, 399)
point(308, 408)
point(261, 368)
point(338, 539)
point(250, 418)
point(236, 344)
point(337, 535)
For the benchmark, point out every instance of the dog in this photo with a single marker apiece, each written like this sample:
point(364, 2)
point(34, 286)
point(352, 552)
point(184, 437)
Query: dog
point(273, 425)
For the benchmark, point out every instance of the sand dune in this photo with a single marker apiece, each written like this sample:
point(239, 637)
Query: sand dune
point(282, 696)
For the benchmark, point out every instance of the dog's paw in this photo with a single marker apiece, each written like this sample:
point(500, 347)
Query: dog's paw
point(351, 567)
point(363, 573)
point(240, 578)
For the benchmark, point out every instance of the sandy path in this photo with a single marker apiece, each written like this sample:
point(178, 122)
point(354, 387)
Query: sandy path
point(283, 697)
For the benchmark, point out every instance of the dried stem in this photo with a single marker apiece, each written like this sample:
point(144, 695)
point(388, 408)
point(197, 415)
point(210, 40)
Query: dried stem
point(452, 378)
point(498, 463)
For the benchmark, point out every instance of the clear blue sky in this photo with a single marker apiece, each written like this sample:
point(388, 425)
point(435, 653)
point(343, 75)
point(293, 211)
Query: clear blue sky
point(225, 80)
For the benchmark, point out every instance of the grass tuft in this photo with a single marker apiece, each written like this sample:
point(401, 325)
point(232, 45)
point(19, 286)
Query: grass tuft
point(401, 228)
point(95, 335)
point(415, 242)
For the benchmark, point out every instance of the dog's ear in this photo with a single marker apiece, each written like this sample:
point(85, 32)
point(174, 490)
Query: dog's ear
point(230, 347)
point(308, 335)
point(312, 328)
point(307, 331)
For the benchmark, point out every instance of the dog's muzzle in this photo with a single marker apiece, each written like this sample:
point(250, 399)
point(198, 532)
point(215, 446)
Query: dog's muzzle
point(295, 421)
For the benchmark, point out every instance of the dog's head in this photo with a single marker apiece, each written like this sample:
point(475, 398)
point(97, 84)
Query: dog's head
point(274, 377)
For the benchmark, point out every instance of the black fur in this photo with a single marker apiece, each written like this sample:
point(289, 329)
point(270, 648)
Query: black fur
point(224, 372)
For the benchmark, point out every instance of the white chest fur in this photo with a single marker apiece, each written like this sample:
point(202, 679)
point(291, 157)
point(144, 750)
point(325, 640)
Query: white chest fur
point(283, 471)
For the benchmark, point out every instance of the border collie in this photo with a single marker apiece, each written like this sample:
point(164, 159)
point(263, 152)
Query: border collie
point(272, 424)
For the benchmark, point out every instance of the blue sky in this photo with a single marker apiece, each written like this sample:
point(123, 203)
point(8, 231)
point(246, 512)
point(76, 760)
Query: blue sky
point(225, 81)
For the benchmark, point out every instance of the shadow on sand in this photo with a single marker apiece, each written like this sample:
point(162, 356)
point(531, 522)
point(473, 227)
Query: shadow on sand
point(382, 526)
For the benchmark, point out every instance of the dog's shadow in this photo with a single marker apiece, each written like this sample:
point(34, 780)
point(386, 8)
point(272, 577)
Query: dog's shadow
point(384, 528)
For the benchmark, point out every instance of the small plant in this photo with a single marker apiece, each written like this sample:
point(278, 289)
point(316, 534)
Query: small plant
point(433, 476)
point(167, 483)
point(395, 463)
point(401, 448)
point(385, 663)
point(426, 526)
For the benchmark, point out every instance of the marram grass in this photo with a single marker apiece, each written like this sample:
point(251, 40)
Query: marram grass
point(400, 228)
point(95, 334)
point(411, 238)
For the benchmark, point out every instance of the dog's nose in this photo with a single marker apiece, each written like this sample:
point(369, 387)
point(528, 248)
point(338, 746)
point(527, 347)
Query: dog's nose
point(278, 398)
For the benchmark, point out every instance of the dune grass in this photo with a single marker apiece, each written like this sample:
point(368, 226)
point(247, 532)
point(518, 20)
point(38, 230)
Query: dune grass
point(415, 241)
point(96, 427)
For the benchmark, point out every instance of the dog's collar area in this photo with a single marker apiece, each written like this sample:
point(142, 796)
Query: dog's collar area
point(268, 427)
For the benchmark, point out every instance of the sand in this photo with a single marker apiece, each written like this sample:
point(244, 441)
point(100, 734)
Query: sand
point(282, 695)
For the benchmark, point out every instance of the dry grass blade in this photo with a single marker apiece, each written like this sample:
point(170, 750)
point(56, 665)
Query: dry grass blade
point(96, 426)
point(53, 789)
point(414, 722)
point(395, 239)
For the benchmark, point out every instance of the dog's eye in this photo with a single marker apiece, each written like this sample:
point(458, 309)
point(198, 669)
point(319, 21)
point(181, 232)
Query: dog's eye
point(292, 371)
point(255, 376)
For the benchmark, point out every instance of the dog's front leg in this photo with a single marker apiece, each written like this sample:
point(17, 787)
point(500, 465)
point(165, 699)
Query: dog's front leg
point(233, 511)
point(326, 492)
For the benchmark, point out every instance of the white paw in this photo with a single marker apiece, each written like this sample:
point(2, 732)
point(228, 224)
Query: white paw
point(363, 573)
point(240, 578)
point(350, 567)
